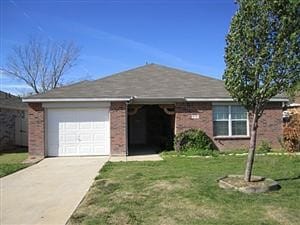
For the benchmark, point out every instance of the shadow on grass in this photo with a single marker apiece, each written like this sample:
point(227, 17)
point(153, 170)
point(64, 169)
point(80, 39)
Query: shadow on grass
point(14, 150)
point(288, 178)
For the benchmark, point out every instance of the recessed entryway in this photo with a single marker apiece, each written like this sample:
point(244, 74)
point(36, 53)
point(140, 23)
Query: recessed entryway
point(150, 128)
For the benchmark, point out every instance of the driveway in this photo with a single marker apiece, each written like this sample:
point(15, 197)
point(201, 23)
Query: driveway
point(48, 192)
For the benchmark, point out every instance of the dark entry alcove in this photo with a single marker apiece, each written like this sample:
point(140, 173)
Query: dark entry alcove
point(150, 130)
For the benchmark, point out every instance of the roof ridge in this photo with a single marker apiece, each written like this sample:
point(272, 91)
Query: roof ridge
point(162, 66)
point(187, 72)
point(120, 73)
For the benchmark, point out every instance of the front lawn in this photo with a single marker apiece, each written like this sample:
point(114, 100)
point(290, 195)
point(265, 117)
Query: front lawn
point(182, 190)
point(11, 161)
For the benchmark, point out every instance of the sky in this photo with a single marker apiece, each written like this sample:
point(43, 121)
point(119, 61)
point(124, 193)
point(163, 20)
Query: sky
point(119, 35)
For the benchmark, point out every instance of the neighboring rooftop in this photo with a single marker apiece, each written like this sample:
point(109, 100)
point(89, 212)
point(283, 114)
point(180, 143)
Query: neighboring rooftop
point(10, 101)
point(297, 99)
point(150, 81)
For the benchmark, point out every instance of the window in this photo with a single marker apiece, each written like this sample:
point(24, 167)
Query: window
point(230, 120)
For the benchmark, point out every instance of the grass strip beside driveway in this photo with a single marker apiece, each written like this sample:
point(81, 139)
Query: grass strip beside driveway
point(184, 191)
point(11, 161)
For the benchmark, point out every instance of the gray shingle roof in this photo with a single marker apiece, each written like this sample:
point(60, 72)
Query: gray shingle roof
point(149, 81)
point(9, 101)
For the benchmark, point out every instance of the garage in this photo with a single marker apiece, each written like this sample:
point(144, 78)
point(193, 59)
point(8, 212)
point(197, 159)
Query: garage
point(77, 131)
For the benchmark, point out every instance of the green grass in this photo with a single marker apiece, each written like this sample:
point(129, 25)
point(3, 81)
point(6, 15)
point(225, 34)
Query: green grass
point(182, 190)
point(216, 153)
point(11, 161)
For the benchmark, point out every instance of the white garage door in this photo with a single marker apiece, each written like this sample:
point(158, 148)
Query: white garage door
point(74, 132)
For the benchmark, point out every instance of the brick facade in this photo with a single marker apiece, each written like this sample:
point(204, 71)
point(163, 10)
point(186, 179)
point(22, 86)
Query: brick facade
point(36, 129)
point(270, 124)
point(183, 116)
point(118, 128)
point(187, 115)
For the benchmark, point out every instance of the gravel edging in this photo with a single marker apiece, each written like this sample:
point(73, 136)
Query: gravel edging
point(237, 154)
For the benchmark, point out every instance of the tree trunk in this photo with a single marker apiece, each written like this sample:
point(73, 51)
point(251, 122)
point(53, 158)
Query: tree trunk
point(252, 147)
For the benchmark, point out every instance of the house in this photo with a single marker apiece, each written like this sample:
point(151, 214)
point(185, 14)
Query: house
point(140, 109)
point(297, 99)
point(296, 102)
point(13, 121)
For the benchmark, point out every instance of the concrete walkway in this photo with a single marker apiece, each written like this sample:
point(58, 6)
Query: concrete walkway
point(48, 192)
point(149, 157)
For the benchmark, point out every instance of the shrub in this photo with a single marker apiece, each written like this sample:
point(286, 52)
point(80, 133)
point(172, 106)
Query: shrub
point(291, 139)
point(194, 142)
point(291, 132)
point(264, 147)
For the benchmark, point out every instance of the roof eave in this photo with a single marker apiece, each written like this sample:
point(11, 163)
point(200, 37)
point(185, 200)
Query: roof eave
point(31, 100)
point(194, 99)
point(140, 99)
point(294, 105)
point(156, 100)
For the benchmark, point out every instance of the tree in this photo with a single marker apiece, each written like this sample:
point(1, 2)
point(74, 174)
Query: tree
point(262, 57)
point(293, 92)
point(41, 64)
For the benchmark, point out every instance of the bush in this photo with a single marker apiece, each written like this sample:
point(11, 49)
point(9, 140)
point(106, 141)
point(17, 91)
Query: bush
point(291, 139)
point(264, 147)
point(194, 142)
point(291, 132)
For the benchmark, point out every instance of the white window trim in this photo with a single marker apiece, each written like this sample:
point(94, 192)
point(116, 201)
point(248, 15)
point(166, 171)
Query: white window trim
point(230, 123)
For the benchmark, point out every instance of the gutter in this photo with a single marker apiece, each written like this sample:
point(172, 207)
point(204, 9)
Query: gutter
point(141, 99)
point(191, 99)
point(76, 99)
point(150, 100)
point(294, 105)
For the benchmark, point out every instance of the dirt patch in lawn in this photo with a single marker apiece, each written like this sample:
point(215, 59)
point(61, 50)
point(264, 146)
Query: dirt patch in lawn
point(187, 208)
point(166, 221)
point(90, 207)
point(106, 186)
point(281, 216)
point(120, 218)
point(164, 185)
point(125, 196)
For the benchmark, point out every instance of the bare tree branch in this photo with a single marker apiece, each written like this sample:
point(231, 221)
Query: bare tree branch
point(41, 64)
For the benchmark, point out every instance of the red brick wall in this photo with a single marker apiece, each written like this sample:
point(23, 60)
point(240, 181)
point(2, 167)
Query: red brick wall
point(184, 112)
point(118, 128)
point(36, 130)
point(270, 124)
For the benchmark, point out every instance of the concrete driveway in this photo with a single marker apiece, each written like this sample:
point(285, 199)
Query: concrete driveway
point(48, 192)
